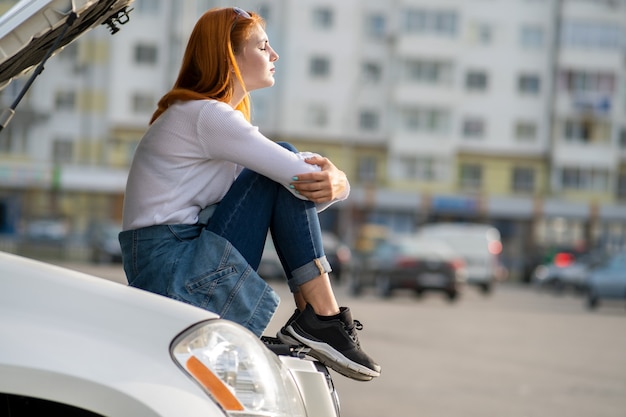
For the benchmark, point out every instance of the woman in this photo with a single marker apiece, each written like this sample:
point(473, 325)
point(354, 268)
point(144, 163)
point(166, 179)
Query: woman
point(205, 187)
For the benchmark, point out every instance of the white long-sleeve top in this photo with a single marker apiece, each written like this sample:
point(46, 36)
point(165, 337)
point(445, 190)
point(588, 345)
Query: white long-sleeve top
point(190, 156)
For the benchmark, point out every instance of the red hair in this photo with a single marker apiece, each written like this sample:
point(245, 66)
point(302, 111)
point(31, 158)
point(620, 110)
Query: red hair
point(209, 68)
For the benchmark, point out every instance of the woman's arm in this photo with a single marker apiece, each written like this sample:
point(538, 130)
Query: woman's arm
point(225, 134)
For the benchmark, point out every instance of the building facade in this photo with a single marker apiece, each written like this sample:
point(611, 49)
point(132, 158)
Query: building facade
point(511, 112)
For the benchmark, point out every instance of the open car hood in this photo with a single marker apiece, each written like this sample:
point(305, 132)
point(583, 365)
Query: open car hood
point(31, 27)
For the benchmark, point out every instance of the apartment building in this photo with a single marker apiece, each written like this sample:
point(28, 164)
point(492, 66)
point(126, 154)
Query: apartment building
point(511, 112)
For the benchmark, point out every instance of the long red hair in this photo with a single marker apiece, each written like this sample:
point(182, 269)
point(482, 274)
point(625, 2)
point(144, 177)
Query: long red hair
point(209, 68)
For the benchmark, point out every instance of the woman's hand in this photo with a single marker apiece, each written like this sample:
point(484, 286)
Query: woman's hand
point(322, 186)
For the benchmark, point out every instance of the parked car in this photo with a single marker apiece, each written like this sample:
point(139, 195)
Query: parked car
point(540, 255)
point(607, 281)
point(412, 262)
point(338, 254)
point(568, 271)
point(104, 242)
point(53, 231)
point(478, 244)
point(270, 267)
point(74, 344)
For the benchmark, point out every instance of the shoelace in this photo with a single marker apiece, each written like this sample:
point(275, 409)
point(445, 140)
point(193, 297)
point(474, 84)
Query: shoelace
point(350, 330)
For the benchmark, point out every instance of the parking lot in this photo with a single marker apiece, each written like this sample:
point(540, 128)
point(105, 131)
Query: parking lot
point(515, 353)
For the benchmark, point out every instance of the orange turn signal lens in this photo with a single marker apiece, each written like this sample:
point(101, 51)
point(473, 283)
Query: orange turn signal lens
point(219, 391)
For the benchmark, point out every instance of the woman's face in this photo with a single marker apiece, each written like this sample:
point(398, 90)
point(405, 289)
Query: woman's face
point(256, 60)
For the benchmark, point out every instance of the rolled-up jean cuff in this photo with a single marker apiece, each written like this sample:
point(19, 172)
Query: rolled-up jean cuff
point(307, 272)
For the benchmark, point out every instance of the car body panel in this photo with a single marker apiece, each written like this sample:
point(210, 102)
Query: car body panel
point(608, 281)
point(119, 363)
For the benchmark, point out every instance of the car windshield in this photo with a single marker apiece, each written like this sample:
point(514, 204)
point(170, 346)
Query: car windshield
point(467, 244)
point(417, 247)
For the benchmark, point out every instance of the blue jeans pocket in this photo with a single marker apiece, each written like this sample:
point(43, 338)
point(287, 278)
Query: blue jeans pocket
point(240, 296)
point(208, 291)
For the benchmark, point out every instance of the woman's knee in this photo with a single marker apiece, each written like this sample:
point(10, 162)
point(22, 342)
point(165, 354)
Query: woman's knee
point(288, 145)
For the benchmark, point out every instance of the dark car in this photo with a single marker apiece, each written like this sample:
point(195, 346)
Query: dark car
point(420, 264)
point(337, 253)
point(104, 242)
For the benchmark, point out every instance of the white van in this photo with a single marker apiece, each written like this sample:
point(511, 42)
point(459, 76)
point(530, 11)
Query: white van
point(478, 244)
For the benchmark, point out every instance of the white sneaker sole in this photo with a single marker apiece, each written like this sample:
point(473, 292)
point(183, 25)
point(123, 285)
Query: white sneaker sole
point(330, 357)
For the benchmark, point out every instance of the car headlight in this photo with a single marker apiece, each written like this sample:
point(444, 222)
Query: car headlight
point(237, 370)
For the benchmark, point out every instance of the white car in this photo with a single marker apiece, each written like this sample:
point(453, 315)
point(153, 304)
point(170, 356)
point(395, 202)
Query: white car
point(77, 345)
point(84, 346)
point(478, 244)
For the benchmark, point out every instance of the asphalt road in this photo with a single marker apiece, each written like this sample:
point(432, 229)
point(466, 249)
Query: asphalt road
point(516, 353)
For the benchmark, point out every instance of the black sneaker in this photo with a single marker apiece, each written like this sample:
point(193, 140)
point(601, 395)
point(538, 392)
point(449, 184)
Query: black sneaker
point(332, 342)
point(284, 336)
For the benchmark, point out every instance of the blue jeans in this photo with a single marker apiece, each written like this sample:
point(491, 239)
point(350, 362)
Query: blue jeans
point(213, 264)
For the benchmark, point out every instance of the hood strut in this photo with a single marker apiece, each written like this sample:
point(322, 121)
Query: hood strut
point(7, 114)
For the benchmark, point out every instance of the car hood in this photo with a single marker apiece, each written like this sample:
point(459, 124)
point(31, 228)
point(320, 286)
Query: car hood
point(30, 28)
point(53, 296)
point(96, 344)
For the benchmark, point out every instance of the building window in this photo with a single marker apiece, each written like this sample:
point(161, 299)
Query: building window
point(577, 131)
point(416, 168)
point(65, 100)
point(435, 22)
point(372, 72)
point(588, 179)
point(587, 81)
point(587, 130)
point(473, 128)
point(529, 84)
point(471, 176)
point(415, 20)
point(369, 120)
point(62, 151)
point(427, 120)
point(523, 179)
point(143, 103)
point(592, 35)
point(367, 167)
point(525, 131)
point(480, 33)
point(532, 37)
point(476, 81)
point(317, 115)
point(145, 54)
point(427, 71)
point(376, 25)
point(319, 67)
point(323, 18)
